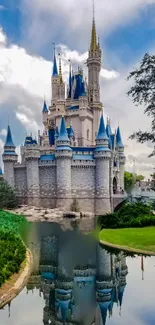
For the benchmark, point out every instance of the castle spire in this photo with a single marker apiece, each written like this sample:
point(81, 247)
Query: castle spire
point(93, 44)
point(70, 80)
point(9, 141)
point(55, 69)
point(60, 70)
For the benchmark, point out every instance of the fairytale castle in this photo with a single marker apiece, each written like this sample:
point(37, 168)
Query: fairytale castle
point(77, 156)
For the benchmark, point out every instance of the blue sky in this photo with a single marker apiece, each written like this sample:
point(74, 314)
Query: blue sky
point(28, 29)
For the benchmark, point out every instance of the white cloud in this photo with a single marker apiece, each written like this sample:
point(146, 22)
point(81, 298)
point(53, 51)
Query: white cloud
point(45, 20)
point(3, 132)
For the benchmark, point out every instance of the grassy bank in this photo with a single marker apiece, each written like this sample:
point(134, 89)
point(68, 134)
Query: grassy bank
point(136, 238)
point(12, 250)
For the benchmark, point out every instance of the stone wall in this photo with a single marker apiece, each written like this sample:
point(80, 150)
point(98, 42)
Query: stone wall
point(83, 186)
point(20, 181)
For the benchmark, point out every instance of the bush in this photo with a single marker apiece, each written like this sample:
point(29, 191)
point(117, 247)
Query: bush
point(130, 215)
point(8, 199)
point(12, 254)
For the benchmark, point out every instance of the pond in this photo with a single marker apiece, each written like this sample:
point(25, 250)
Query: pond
point(75, 280)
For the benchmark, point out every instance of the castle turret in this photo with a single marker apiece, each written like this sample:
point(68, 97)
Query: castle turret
point(32, 155)
point(102, 155)
point(120, 148)
point(94, 67)
point(9, 158)
point(63, 155)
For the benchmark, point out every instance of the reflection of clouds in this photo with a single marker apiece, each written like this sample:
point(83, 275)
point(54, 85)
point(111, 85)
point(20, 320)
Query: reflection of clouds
point(26, 309)
point(139, 296)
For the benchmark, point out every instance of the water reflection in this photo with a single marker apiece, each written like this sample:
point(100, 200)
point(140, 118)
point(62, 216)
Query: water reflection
point(76, 281)
point(80, 281)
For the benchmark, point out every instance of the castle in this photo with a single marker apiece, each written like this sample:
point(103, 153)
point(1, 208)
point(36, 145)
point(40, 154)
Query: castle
point(76, 156)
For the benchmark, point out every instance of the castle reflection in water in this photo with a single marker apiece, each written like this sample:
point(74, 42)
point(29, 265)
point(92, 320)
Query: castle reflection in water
point(79, 280)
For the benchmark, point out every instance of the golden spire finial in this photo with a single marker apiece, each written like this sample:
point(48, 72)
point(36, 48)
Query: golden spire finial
point(93, 45)
point(60, 70)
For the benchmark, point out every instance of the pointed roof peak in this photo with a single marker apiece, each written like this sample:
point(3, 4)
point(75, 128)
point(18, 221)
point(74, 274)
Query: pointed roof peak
point(119, 138)
point(93, 44)
point(63, 135)
point(9, 141)
point(55, 69)
point(45, 109)
point(102, 135)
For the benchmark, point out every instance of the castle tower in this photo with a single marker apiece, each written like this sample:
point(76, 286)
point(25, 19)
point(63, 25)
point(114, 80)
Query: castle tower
point(109, 134)
point(122, 159)
point(32, 155)
point(94, 67)
point(9, 159)
point(102, 155)
point(54, 80)
point(63, 156)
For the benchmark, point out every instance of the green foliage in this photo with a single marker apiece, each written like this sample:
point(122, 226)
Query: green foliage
point(12, 254)
point(130, 215)
point(16, 224)
point(13, 229)
point(8, 199)
point(130, 180)
point(142, 92)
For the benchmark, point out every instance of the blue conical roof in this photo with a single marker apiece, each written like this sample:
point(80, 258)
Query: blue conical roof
point(56, 132)
point(102, 135)
point(83, 91)
point(70, 132)
point(119, 139)
point(9, 141)
point(45, 109)
point(108, 130)
point(63, 135)
point(55, 69)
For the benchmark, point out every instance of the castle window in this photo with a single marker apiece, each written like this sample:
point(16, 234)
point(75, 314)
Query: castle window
point(88, 134)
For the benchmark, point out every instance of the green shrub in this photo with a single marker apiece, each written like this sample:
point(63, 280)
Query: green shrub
point(130, 215)
point(12, 254)
point(8, 199)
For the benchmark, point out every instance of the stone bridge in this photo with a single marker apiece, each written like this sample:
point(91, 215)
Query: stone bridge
point(118, 200)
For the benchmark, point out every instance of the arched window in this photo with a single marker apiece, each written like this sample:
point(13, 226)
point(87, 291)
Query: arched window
point(88, 134)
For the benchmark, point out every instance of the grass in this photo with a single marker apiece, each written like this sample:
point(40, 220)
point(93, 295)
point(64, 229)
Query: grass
point(137, 238)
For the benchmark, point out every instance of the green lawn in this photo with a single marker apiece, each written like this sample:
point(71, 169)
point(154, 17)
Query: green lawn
point(138, 238)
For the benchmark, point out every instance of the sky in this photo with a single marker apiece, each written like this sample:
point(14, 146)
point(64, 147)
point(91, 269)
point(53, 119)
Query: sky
point(27, 31)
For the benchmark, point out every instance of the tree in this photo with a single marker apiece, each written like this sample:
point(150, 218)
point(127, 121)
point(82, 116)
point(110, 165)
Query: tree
point(130, 180)
point(139, 178)
point(8, 198)
point(143, 92)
